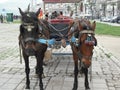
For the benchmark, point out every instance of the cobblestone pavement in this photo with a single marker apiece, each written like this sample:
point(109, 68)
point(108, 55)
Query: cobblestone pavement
point(59, 70)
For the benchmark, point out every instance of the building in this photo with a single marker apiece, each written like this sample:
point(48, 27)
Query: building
point(95, 8)
point(108, 7)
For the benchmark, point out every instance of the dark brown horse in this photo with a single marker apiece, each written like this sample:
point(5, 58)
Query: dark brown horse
point(82, 49)
point(31, 29)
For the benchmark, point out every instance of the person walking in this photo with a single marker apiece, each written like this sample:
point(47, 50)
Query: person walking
point(1, 18)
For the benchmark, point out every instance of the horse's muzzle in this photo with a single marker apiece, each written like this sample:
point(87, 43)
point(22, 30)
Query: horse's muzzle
point(86, 62)
point(30, 52)
point(30, 46)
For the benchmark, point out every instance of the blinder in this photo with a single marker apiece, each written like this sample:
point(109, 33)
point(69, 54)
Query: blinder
point(28, 26)
point(90, 39)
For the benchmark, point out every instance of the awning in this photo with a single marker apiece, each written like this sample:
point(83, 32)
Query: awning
point(61, 1)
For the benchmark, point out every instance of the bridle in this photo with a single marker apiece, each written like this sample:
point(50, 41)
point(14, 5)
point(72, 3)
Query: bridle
point(78, 43)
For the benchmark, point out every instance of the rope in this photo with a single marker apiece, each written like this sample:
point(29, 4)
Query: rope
point(58, 29)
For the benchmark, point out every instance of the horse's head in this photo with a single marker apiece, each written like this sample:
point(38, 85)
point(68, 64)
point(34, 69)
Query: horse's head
point(86, 41)
point(29, 31)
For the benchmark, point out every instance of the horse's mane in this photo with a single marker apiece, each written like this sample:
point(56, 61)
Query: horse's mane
point(29, 17)
point(85, 24)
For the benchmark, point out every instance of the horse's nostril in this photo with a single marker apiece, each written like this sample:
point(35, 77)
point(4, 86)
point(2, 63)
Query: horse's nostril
point(30, 52)
point(86, 62)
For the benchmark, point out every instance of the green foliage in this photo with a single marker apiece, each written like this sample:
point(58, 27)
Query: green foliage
point(106, 29)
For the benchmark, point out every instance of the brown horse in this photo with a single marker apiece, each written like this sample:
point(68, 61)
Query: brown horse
point(31, 29)
point(82, 49)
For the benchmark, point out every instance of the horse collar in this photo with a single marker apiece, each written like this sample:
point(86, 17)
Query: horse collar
point(87, 31)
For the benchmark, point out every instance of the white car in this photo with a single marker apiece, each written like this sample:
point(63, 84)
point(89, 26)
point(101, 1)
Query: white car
point(105, 19)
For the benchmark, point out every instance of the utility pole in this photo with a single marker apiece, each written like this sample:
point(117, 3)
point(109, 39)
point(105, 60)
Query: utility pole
point(33, 3)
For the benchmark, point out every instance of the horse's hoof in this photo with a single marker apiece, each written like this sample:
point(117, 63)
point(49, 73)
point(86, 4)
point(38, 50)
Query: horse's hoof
point(27, 87)
point(87, 88)
point(74, 89)
point(41, 87)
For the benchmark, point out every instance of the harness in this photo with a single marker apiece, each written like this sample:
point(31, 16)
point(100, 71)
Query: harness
point(61, 32)
point(57, 32)
point(42, 27)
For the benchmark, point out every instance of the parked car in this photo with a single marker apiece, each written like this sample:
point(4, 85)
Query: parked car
point(105, 19)
point(115, 19)
point(102, 18)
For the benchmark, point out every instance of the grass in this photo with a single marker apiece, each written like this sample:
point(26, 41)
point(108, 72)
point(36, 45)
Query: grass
point(105, 29)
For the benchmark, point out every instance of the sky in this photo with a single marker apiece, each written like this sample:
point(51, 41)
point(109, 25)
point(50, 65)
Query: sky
point(11, 6)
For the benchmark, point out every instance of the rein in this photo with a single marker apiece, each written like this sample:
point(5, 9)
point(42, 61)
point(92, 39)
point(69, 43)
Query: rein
point(58, 29)
point(59, 34)
point(41, 29)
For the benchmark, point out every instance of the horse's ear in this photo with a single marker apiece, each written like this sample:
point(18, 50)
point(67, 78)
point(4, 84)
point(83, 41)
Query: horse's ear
point(21, 12)
point(37, 13)
point(80, 26)
point(94, 25)
point(89, 22)
point(28, 9)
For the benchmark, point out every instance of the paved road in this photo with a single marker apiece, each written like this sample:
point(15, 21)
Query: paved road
point(58, 72)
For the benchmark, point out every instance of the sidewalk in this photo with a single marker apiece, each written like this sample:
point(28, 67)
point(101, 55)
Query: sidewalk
point(58, 72)
point(110, 43)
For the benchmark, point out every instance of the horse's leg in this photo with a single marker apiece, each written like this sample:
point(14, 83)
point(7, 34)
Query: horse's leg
point(85, 70)
point(75, 86)
point(27, 70)
point(39, 69)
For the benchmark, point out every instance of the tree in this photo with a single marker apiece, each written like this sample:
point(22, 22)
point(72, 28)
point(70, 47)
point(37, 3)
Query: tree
point(118, 8)
point(76, 8)
point(68, 8)
point(92, 8)
point(104, 6)
point(113, 8)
